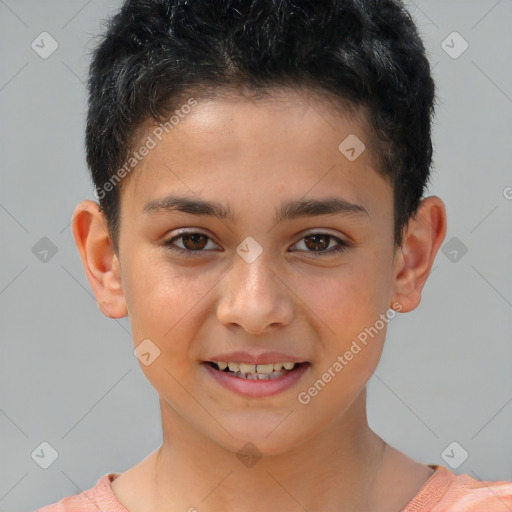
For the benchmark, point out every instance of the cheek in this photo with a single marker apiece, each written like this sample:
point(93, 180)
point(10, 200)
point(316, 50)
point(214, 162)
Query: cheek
point(348, 302)
point(164, 308)
point(352, 334)
point(167, 304)
point(348, 298)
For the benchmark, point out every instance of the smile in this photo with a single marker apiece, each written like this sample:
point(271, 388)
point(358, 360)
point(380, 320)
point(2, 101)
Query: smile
point(254, 371)
point(256, 380)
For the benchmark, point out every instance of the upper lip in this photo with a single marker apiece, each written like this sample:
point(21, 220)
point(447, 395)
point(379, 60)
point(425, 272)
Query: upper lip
point(261, 358)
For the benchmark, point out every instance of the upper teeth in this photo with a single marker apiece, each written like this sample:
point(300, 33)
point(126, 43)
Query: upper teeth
point(253, 368)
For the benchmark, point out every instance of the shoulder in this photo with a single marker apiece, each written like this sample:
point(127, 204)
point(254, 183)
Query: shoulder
point(447, 492)
point(96, 499)
point(469, 494)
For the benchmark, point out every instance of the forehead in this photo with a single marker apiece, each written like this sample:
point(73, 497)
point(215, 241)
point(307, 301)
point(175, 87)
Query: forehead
point(288, 139)
point(271, 119)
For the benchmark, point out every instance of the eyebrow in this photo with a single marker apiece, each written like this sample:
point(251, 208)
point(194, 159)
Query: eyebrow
point(288, 210)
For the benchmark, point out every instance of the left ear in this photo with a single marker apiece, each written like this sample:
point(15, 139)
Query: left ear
point(424, 235)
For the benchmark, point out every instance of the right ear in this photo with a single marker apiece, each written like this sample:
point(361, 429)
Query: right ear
point(100, 262)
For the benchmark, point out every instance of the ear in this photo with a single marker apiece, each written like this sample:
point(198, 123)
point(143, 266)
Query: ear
point(100, 262)
point(424, 235)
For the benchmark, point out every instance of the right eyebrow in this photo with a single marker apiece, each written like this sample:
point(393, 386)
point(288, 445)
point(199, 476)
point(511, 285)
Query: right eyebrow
point(189, 205)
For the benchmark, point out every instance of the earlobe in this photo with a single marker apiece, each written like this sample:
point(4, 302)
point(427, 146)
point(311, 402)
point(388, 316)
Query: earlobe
point(424, 235)
point(98, 257)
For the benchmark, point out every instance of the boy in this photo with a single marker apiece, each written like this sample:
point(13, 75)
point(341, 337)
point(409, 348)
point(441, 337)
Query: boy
point(260, 167)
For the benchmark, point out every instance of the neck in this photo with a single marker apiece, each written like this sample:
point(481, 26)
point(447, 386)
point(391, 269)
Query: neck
point(336, 469)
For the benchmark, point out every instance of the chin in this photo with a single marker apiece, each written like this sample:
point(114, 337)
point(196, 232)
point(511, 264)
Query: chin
point(258, 439)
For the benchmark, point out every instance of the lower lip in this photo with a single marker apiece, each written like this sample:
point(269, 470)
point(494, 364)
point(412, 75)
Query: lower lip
point(254, 387)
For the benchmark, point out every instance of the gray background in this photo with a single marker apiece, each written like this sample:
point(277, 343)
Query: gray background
point(68, 375)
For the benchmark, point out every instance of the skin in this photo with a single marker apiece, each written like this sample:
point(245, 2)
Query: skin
point(251, 156)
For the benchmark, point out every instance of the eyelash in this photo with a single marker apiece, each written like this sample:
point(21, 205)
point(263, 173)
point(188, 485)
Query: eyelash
point(342, 245)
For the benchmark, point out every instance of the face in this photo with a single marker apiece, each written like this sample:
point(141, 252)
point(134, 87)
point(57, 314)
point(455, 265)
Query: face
point(262, 276)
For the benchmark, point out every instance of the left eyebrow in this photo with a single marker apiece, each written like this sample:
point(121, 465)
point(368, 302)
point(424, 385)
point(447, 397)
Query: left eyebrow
point(289, 210)
point(316, 207)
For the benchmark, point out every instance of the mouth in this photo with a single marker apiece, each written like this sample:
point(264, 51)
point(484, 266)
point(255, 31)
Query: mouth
point(268, 371)
point(256, 381)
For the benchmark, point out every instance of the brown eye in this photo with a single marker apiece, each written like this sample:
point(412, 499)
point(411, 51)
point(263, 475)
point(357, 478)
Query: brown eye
point(192, 242)
point(319, 242)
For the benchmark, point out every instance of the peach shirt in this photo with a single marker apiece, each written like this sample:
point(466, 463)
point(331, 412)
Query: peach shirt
point(444, 491)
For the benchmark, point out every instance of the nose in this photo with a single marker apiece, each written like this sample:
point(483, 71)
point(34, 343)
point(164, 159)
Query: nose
point(254, 297)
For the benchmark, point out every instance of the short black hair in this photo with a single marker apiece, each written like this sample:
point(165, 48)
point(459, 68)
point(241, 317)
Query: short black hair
point(365, 53)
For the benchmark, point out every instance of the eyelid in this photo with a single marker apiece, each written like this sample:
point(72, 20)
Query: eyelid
point(319, 231)
point(168, 243)
point(341, 243)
